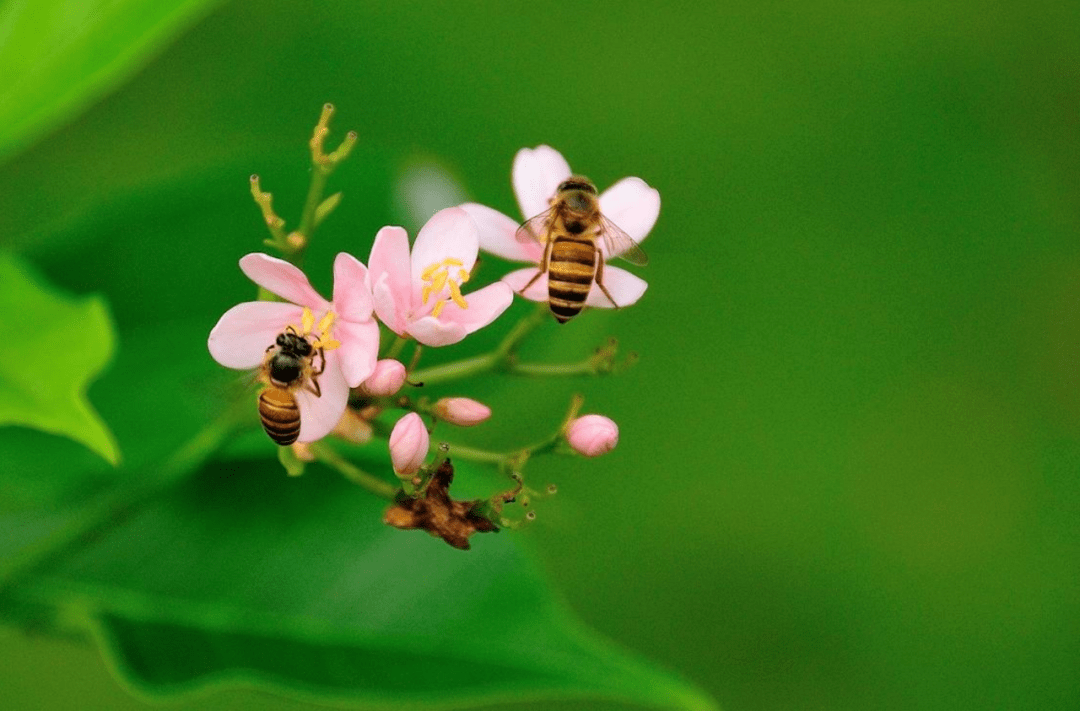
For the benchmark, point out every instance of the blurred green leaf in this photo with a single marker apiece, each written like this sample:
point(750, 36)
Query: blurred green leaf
point(245, 576)
point(66, 344)
point(56, 56)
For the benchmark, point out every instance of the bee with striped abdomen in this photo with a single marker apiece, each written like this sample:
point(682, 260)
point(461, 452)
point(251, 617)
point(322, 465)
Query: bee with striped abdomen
point(576, 238)
point(288, 366)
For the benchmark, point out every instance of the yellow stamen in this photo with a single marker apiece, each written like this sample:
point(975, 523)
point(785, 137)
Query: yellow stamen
point(326, 322)
point(455, 294)
point(306, 322)
point(438, 277)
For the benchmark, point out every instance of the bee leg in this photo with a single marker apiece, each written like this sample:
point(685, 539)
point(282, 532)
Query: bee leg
point(313, 386)
point(543, 267)
point(600, 279)
point(322, 365)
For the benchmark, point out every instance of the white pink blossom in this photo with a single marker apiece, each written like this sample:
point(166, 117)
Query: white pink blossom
point(409, 442)
point(350, 335)
point(592, 435)
point(387, 378)
point(461, 411)
point(418, 293)
point(537, 172)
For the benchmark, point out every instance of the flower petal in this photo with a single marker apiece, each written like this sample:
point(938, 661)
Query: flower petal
point(485, 305)
point(279, 277)
point(633, 206)
point(434, 332)
point(449, 234)
point(352, 295)
point(625, 288)
point(390, 256)
point(244, 332)
point(536, 174)
point(517, 279)
point(498, 235)
point(390, 311)
point(319, 415)
point(359, 349)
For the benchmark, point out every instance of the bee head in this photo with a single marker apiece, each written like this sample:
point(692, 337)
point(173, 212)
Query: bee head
point(577, 182)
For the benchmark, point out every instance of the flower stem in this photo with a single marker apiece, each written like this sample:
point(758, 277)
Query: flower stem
point(498, 359)
point(325, 454)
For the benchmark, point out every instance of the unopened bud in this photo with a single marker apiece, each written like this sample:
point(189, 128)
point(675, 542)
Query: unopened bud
point(592, 435)
point(409, 443)
point(387, 378)
point(461, 411)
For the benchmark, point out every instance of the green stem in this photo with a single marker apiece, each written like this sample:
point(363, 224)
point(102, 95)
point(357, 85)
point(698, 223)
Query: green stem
point(539, 370)
point(396, 347)
point(319, 174)
point(497, 359)
point(353, 473)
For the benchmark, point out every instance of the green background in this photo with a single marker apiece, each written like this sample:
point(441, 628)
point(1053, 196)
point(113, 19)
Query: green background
point(847, 477)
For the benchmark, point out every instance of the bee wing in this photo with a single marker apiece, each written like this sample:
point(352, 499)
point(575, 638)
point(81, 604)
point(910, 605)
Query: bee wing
point(535, 229)
point(619, 244)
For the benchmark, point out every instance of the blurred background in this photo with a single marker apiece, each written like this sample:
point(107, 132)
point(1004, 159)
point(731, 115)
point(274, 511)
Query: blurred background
point(848, 472)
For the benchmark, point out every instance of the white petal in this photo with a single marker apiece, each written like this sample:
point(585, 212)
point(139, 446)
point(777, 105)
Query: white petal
point(243, 334)
point(319, 415)
point(536, 174)
point(352, 296)
point(449, 234)
point(498, 235)
point(432, 332)
point(279, 277)
point(537, 291)
point(624, 287)
point(632, 205)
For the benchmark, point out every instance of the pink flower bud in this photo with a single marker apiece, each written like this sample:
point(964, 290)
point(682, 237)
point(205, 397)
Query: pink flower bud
point(408, 445)
point(387, 378)
point(592, 435)
point(461, 411)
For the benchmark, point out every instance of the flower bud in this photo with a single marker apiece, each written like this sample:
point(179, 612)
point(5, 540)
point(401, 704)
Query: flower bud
point(592, 435)
point(387, 378)
point(408, 445)
point(461, 411)
point(352, 427)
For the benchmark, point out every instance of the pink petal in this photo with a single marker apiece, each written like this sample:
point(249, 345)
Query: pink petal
point(536, 174)
point(485, 305)
point(244, 332)
point(352, 297)
point(519, 278)
point(624, 287)
point(359, 349)
point(390, 257)
point(387, 307)
point(450, 233)
point(319, 415)
point(632, 205)
point(433, 332)
point(279, 277)
point(497, 235)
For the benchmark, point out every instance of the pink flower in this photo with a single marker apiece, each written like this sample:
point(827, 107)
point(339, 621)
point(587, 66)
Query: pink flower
point(419, 294)
point(388, 377)
point(630, 203)
point(349, 334)
point(461, 411)
point(409, 442)
point(592, 435)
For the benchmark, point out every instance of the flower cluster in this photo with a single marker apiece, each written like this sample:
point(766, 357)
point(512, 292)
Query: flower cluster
point(319, 359)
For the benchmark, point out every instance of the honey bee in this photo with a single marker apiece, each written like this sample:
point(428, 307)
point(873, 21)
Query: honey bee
point(288, 366)
point(573, 260)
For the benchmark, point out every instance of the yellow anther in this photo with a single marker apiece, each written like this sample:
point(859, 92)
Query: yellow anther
point(438, 276)
point(455, 294)
point(326, 322)
point(306, 322)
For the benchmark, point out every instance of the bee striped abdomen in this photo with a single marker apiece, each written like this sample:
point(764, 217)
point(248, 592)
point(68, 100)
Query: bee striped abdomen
point(280, 415)
point(571, 271)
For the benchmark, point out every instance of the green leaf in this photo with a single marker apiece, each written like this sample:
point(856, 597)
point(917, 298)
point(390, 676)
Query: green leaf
point(67, 341)
point(243, 576)
point(57, 56)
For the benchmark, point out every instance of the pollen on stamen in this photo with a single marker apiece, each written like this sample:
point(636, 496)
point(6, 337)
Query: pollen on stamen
point(307, 321)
